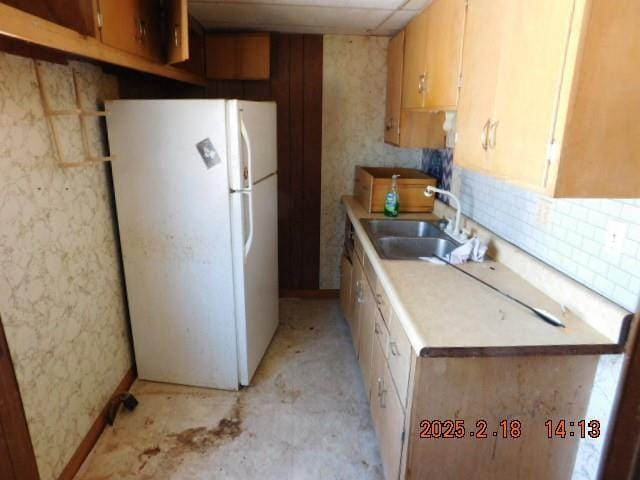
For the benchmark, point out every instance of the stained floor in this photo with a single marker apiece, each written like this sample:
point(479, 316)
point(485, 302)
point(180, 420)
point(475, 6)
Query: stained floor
point(304, 417)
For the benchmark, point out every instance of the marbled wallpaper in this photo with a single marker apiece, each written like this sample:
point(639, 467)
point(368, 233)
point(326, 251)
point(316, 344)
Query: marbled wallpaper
point(61, 296)
point(353, 104)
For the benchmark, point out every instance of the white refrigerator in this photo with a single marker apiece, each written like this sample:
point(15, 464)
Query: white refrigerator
point(196, 197)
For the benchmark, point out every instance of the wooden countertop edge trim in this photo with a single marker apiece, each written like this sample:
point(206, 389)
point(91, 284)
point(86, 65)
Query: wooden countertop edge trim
point(23, 26)
point(522, 350)
point(532, 350)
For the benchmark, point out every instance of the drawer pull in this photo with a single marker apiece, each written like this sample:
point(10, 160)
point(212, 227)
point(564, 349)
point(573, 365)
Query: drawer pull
point(393, 346)
point(381, 392)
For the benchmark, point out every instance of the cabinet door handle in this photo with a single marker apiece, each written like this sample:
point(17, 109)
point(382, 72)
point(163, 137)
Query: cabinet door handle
point(139, 32)
point(389, 124)
point(422, 82)
point(485, 134)
point(381, 392)
point(359, 291)
point(493, 132)
point(393, 346)
point(379, 299)
point(176, 37)
point(376, 328)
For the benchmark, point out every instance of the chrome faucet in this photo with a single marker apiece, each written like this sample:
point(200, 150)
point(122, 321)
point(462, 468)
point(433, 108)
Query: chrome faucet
point(454, 231)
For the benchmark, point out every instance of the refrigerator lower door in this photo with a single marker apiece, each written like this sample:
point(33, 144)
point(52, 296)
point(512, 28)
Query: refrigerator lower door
point(255, 243)
point(175, 231)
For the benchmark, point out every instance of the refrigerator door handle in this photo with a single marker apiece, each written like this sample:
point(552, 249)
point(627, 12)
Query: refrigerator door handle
point(247, 191)
point(248, 174)
point(249, 242)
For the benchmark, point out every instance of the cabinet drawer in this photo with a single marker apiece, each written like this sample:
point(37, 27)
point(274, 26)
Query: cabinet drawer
point(382, 300)
point(370, 273)
point(379, 295)
point(387, 413)
point(381, 334)
point(399, 356)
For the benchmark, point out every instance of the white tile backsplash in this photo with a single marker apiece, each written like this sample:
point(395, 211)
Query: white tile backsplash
point(571, 239)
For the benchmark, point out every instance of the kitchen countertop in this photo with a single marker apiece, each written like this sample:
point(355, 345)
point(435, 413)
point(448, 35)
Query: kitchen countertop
point(446, 313)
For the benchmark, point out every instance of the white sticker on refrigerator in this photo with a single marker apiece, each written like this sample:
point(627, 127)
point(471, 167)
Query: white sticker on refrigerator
point(208, 153)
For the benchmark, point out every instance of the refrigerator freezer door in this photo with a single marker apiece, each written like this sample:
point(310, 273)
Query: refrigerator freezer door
point(175, 228)
point(252, 142)
point(256, 273)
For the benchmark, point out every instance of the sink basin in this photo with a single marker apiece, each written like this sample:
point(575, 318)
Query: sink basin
point(399, 248)
point(401, 228)
point(407, 239)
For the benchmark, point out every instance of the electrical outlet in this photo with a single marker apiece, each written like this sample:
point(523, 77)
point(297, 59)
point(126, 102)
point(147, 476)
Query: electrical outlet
point(616, 234)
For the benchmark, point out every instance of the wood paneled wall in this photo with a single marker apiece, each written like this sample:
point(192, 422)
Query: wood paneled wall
point(296, 86)
point(17, 460)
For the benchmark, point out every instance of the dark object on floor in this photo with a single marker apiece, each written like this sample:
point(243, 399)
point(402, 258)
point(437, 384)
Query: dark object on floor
point(126, 399)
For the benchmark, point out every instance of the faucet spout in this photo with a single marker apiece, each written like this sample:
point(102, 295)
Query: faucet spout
point(455, 232)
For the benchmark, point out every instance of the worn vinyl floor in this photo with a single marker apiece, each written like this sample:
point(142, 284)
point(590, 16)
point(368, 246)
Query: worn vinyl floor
point(304, 417)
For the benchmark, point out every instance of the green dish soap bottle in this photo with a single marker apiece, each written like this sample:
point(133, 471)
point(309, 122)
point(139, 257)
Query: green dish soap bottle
point(392, 200)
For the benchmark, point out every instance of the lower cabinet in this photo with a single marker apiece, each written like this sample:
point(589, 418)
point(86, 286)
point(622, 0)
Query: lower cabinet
point(369, 316)
point(357, 299)
point(382, 352)
point(346, 271)
point(404, 389)
point(387, 414)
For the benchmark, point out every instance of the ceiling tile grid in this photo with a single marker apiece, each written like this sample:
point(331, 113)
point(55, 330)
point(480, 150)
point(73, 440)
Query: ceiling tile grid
point(355, 17)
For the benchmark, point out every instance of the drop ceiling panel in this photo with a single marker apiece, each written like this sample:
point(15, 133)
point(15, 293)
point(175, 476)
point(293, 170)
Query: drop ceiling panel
point(375, 4)
point(311, 16)
point(373, 17)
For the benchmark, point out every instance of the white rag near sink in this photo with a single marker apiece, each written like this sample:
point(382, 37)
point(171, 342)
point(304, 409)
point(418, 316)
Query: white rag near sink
point(473, 249)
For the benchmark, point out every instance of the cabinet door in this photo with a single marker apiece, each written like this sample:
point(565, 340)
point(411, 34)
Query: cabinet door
point(365, 307)
point(178, 31)
point(369, 314)
point(445, 31)
point(387, 414)
point(357, 284)
point(414, 69)
point(345, 286)
point(395, 58)
point(152, 40)
point(123, 25)
point(480, 61)
point(238, 56)
point(531, 68)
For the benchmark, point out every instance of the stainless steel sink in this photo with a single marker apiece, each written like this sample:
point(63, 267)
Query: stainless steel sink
point(402, 248)
point(407, 239)
point(401, 228)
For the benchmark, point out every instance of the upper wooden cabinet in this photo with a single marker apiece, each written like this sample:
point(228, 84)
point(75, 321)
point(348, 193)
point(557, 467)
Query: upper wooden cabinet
point(415, 59)
point(196, 61)
point(552, 111)
point(153, 29)
point(480, 61)
point(77, 15)
point(406, 127)
point(128, 33)
point(432, 56)
point(178, 28)
point(238, 56)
